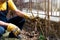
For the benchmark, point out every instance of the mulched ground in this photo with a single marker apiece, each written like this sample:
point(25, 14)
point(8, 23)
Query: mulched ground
point(29, 28)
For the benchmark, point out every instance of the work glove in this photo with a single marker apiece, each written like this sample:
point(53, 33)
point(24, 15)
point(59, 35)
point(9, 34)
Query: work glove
point(29, 16)
point(13, 28)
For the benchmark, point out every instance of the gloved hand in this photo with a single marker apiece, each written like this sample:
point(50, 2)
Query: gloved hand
point(29, 16)
point(13, 28)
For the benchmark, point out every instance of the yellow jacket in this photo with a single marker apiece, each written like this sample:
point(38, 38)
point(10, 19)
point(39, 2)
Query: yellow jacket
point(11, 5)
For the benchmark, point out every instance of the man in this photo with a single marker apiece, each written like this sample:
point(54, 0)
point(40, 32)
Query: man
point(18, 20)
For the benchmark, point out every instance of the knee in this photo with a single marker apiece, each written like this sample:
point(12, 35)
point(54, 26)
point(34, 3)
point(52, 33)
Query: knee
point(2, 30)
point(22, 21)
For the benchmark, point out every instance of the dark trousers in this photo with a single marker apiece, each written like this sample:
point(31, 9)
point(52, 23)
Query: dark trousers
point(19, 21)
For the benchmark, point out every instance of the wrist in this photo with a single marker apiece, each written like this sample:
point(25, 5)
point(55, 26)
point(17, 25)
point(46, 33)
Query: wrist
point(3, 23)
point(6, 24)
